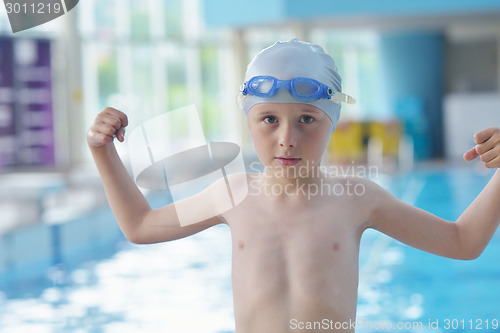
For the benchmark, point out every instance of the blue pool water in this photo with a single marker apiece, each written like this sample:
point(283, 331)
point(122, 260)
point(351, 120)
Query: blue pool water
point(185, 286)
point(434, 294)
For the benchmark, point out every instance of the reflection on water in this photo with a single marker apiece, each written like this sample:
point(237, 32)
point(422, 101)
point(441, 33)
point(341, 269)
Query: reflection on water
point(181, 286)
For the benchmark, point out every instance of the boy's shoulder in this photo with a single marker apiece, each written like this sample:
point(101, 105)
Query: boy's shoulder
point(361, 182)
point(355, 191)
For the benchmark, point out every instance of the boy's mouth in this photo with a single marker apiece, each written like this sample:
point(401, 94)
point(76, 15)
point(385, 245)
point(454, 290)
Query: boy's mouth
point(287, 160)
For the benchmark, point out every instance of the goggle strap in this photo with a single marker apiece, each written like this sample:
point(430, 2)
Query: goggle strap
point(342, 98)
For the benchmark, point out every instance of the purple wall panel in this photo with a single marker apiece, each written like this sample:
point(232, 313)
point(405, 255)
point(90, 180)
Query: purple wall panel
point(7, 116)
point(34, 102)
point(27, 138)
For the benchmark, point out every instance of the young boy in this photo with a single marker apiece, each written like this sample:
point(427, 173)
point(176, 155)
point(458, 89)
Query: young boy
point(295, 255)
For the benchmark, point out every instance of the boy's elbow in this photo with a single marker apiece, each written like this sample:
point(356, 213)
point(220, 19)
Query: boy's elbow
point(473, 255)
point(469, 254)
point(133, 238)
point(143, 240)
point(469, 247)
point(465, 257)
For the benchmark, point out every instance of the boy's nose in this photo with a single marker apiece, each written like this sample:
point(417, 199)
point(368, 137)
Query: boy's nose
point(287, 136)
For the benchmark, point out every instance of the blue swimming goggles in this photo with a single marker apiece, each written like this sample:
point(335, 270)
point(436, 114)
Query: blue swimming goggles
point(301, 88)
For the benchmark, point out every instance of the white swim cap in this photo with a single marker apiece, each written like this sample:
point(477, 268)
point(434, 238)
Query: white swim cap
point(288, 60)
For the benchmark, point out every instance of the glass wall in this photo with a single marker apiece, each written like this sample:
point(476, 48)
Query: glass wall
point(356, 55)
point(149, 57)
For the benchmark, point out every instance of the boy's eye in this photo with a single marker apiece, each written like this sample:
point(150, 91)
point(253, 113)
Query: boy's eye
point(306, 119)
point(270, 120)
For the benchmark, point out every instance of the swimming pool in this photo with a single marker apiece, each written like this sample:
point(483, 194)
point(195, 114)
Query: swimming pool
point(423, 291)
point(185, 286)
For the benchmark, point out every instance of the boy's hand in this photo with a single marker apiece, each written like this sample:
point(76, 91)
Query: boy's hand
point(108, 124)
point(487, 147)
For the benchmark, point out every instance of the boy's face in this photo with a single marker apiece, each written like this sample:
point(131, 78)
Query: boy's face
point(290, 137)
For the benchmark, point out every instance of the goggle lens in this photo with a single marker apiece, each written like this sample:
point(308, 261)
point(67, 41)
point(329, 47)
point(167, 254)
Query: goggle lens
point(306, 89)
point(261, 86)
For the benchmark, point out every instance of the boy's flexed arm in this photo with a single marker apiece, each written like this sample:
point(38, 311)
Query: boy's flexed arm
point(139, 223)
point(465, 239)
point(480, 220)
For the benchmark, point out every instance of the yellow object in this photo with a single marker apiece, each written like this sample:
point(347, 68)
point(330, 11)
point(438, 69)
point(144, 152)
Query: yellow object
point(389, 133)
point(346, 143)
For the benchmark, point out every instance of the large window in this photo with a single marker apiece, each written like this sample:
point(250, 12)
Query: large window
point(357, 58)
point(149, 57)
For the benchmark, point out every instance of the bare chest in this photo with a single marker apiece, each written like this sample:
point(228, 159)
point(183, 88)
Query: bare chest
point(294, 250)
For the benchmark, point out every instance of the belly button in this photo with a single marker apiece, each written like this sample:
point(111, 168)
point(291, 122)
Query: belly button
point(241, 245)
point(336, 246)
